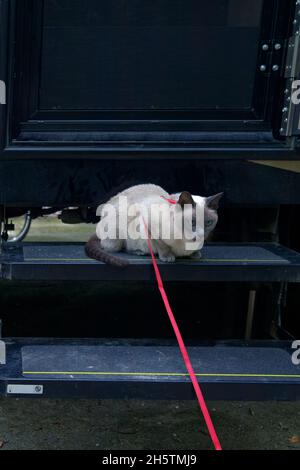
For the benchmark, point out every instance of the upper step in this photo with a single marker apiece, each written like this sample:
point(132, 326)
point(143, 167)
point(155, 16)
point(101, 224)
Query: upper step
point(220, 262)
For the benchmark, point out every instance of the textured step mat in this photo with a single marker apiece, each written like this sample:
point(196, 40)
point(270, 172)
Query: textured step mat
point(155, 363)
point(210, 254)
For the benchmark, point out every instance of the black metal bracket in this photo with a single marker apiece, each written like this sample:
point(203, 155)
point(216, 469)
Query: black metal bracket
point(290, 112)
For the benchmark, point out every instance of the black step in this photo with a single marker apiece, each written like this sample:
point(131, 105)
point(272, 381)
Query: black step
point(149, 369)
point(220, 262)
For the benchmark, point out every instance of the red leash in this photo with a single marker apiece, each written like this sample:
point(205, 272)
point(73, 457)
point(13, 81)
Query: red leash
point(170, 201)
point(186, 358)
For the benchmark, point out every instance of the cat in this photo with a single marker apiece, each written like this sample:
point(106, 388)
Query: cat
point(168, 249)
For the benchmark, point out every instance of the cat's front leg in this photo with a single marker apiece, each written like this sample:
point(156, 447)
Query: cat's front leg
point(164, 252)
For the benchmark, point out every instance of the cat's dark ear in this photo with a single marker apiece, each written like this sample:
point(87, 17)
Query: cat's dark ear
point(212, 202)
point(186, 198)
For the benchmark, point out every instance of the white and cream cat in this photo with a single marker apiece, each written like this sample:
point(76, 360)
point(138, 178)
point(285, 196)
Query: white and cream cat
point(169, 248)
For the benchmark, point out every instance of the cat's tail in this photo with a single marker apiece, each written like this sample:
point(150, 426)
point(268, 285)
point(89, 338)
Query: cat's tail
point(93, 250)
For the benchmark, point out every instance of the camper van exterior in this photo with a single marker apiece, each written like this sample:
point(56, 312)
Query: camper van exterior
point(99, 95)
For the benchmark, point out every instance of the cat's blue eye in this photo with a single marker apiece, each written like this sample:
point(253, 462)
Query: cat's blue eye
point(208, 223)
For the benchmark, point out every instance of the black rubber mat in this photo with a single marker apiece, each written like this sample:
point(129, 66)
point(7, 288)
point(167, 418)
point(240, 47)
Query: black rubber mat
point(210, 253)
point(155, 363)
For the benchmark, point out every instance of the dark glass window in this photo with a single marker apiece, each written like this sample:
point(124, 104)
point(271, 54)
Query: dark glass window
point(146, 71)
point(149, 54)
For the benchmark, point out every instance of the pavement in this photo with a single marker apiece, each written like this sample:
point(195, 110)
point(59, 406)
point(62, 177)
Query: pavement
point(146, 425)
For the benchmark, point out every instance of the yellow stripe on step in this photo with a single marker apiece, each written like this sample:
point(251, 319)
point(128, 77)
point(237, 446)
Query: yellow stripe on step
point(209, 260)
point(153, 374)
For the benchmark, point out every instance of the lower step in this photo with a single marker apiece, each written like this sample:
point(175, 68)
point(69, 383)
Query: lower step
point(148, 369)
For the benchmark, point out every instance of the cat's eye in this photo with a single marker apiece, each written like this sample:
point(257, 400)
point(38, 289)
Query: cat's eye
point(208, 223)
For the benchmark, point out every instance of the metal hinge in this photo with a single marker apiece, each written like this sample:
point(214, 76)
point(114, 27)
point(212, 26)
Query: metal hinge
point(2, 92)
point(290, 113)
point(292, 68)
point(2, 353)
point(2, 348)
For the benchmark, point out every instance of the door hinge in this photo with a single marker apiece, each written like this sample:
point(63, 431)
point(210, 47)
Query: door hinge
point(2, 353)
point(290, 112)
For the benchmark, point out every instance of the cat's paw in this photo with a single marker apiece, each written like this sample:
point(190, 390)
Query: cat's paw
point(168, 258)
point(197, 255)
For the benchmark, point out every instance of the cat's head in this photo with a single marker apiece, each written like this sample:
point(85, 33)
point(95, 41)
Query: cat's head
point(210, 207)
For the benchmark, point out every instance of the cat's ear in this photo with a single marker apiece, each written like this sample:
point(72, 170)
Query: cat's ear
point(186, 198)
point(212, 202)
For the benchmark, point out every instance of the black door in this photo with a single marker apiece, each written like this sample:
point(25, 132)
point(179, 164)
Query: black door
point(165, 73)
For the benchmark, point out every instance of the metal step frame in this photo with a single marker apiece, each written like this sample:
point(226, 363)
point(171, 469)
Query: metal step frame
point(264, 262)
point(148, 369)
point(151, 369)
